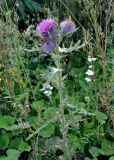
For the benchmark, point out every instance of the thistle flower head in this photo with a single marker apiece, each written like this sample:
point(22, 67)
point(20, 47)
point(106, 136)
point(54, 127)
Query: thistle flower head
point(47, 28)
point(48, 46)
point(68, 27)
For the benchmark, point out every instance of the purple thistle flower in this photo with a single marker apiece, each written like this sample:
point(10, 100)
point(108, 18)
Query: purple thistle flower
point(68, 27)
point(47, 28)
point(48, 46)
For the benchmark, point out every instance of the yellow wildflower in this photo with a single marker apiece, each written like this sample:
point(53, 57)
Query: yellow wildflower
point(30, 130)
point(45, 9)
point(21, 82)
point(0, 57)
point(0, 80)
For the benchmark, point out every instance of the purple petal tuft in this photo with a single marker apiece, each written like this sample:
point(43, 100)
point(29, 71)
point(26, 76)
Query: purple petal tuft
point(48, 46)
point(47, 28)
point(68, 27)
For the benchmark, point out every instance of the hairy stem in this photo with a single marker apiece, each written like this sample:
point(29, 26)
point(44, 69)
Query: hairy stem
point(60, 92)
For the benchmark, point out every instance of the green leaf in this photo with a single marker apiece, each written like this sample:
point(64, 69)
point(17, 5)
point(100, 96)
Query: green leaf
point(94, 151)
point(21, 10)
point(4, 141)
point(86, 158)
point(107, 147)
point(101, 117)
point(74, 140)
point(81, 105)
point(12, 154)
point(34, 121)
point(38, 105)
point(50, 113)
point(6, 122)
point(32, 6)
point(10, 3)
point(111, 158)
point(54, 143)
point(2, 158)
point(19, 144)
point(83, 85)
point(47, 131)
point(15, 143)
point(24, 147)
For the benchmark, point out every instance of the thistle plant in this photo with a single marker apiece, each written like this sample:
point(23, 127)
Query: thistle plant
point(52, 37)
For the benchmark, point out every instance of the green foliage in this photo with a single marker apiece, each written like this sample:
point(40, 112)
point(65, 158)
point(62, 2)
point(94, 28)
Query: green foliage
point(101, 117)
point(6, 122)
point(4, 141)
point(77, 120)
point(107, 147)
point(11, 153)
point(38, 105)
point(95, 152)
point(25, 7)
point(50, 113)
point(24, 146)
point(48, 131)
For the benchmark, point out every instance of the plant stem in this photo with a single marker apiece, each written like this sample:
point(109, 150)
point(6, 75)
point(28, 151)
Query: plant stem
point(60, 92)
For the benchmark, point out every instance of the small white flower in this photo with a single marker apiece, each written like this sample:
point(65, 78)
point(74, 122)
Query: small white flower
point(46, 87)
point(90, 59)
point(88, 79)
point(87, 99)
point(65, 50)
point(90, 72)
point(90, 66)
point(94, 59)
point(50, 87)
point(17, 4)
point(48, 93)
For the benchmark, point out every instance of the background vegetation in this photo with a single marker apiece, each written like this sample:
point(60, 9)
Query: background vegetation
point(32, 125)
